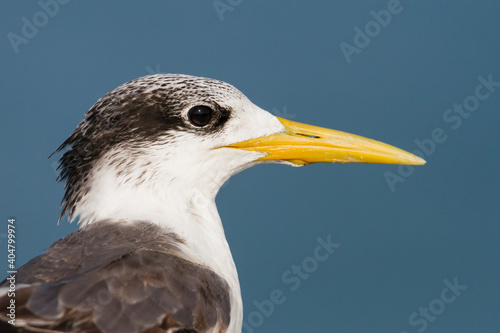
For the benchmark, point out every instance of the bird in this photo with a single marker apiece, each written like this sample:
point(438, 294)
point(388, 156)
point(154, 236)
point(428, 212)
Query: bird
point(141, 173)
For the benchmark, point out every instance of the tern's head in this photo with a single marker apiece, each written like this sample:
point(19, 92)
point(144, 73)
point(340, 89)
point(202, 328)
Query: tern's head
point(167, 133)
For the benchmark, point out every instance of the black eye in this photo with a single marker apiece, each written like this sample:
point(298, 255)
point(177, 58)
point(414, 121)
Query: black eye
point(200, 115)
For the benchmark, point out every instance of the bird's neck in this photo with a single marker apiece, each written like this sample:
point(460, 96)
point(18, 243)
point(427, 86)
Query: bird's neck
point(187, 210)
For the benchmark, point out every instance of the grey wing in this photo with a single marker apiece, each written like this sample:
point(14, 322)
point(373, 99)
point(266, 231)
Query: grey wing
point(117, 286)
point(141, 291)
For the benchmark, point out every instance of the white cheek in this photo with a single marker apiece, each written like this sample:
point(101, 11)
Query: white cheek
point(251, 122)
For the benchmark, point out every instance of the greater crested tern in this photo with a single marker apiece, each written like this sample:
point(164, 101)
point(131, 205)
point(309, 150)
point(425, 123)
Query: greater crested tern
point(142, 171)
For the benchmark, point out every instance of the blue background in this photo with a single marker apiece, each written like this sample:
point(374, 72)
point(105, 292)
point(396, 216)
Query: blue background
point(397, 245)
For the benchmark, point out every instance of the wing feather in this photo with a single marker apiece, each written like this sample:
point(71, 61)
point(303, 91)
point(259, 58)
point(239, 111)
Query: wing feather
point(140, 283)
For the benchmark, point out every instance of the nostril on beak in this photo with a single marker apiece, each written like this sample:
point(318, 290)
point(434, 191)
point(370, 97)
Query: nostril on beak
point(309, 136)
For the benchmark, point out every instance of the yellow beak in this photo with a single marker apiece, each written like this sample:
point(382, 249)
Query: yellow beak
point(304, 144)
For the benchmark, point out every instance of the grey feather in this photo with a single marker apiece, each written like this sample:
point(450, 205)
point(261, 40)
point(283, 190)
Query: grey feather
point(119, 277)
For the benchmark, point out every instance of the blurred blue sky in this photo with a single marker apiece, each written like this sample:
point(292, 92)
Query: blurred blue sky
point(405, 234)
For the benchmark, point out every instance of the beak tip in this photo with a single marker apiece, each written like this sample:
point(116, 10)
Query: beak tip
point(418, 160)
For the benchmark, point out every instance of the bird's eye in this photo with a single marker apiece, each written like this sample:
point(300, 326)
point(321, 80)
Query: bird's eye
point(200, 115)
